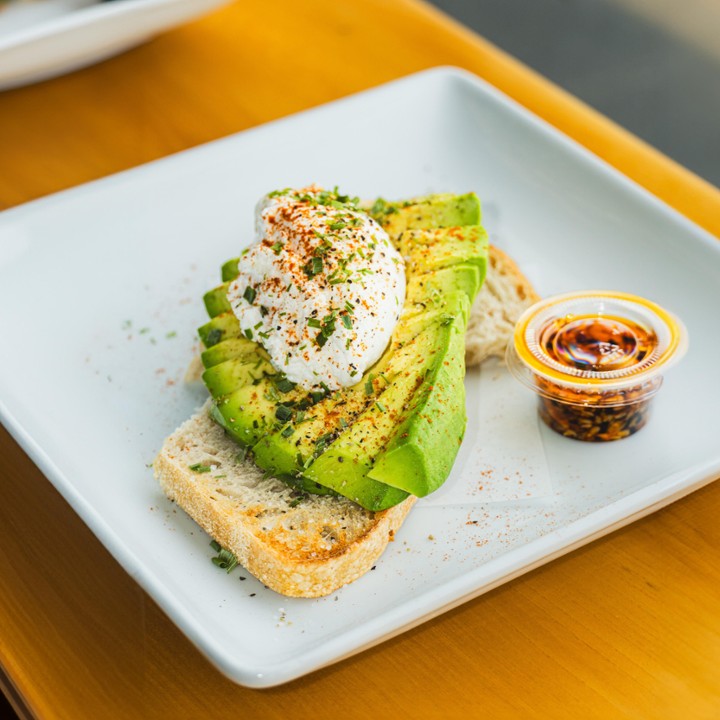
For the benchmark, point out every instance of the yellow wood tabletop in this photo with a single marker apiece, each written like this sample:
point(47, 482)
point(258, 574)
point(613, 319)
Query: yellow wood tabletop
point(628, 627)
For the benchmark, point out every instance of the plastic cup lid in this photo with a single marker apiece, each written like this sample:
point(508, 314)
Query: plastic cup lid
point(596, 341)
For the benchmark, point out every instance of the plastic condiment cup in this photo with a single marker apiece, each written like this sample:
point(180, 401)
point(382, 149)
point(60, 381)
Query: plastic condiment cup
point(595, 359)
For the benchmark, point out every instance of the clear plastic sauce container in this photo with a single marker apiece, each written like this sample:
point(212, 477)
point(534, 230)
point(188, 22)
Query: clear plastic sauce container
point(595, 360)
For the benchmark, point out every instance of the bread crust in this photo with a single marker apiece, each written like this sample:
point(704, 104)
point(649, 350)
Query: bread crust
point(299, 549)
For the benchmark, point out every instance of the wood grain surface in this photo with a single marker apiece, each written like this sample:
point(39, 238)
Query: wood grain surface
point(628, 627)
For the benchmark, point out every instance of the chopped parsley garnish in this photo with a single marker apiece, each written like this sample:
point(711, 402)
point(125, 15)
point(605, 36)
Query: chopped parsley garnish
point(369, 389)
point(327, 328)
point(284, 385)
point(276, 247)
point(313, 267)
point(380, 207)
point(337, 225)
point(380, 406)
point(200, 468)
point(323, 248)
point(213, 337)
point(250, 294)
point(322, 442)
point(347, 322)
point(331, 198)
point(278, 193)
point(249, 334)
point(283, 413)
point(314, 323)
point(288, 431)
point(224, 558)
point(317, 396)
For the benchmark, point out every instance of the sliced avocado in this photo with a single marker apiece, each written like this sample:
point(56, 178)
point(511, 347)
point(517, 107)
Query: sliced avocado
point(398, 430)
point(248, 412)
point(231, 348)
point(419, 456)
point(220, 328)
point(408, 420)
point(432, 290)
point(251, 412)
point(290, 449)
point(433, 211)
point(225, 377)
point(229, 270)
point(216, 300)
point(428, 250)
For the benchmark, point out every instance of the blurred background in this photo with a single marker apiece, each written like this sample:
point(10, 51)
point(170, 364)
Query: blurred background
point(653, 66)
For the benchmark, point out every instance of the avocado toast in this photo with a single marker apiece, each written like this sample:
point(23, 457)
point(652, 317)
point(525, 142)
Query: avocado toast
point(305, 486)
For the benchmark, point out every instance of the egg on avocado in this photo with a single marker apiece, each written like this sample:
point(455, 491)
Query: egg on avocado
point(378, 410)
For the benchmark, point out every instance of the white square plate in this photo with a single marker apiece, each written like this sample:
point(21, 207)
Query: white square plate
point(101, 294)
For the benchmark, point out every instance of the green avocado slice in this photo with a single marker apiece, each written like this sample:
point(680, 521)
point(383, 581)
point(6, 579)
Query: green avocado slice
point(229, 270)
point(428, 250)
point(244, 427)
point(420, 454)
point(433, 211)
point(293, 447)
point(225, 377)
point(402, 439)
point(220, 328)
point(432, 291)
point(231, 348)
point(216, 300)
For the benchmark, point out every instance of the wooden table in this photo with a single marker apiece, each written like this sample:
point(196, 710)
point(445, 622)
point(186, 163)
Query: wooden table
point(628, 627)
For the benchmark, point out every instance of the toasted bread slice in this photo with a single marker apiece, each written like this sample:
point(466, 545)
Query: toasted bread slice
point(300, 546)
point(504, 296)
point(310, 546)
